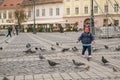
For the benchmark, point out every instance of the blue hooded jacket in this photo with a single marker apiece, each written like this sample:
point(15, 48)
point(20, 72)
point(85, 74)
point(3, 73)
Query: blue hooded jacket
point(86, 38)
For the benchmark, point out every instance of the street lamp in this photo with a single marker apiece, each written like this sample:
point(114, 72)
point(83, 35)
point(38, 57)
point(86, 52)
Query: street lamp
point(34, 29)
point(92, 19)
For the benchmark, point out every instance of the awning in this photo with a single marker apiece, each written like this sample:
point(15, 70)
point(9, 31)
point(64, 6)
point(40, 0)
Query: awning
point(3, 24)
point(48, 22)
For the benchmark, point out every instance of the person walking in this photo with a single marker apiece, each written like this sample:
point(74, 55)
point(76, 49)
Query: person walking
point(86, 38)
point(16, 29)
point(9, 32)
point(61, 28)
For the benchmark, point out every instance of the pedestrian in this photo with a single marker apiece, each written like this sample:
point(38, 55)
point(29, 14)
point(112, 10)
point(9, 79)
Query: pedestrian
point(61, 28)
point(9, 31)
point(16, 29)
point(86, 38)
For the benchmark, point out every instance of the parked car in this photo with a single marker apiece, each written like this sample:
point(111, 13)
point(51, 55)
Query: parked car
point(109, 32)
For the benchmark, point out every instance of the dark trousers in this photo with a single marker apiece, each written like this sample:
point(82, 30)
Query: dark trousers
point(86, 48)
point(9, 33)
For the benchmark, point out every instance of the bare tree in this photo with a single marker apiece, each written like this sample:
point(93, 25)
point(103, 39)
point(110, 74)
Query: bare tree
point(20, 16)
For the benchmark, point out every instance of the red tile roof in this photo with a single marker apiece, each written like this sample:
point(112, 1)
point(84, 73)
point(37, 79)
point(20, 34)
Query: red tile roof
point(30, 2)
point(8, 4)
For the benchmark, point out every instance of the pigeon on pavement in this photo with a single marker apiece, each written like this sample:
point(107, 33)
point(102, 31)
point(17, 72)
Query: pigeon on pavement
point(28, 45)
point(104, 60)
point(5, 78)
point(1, 48)
point(51, 63)
point(77, 63)
point(65, 49)
point(106, 47)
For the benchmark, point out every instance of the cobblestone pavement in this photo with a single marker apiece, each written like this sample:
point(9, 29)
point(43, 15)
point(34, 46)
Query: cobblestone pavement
point(15, 64)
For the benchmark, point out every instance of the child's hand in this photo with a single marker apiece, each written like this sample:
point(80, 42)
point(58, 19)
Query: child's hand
point(93, 43)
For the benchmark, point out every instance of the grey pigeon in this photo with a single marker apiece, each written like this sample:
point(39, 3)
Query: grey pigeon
point(77, 63)
point(106, 47)
point(104, 60)
point(5, 78)
point(51, 63)
point(29, 51)
point(87, 68)
point(36, 48)
point(118, 48)
point(42, 49)
point(65, 49)
point(57, 43)
point(53, 48)
point(6, 41)
point(1, 48)
point(28, 45)
point(74, 48)
point(114, 69)
point(41, 56)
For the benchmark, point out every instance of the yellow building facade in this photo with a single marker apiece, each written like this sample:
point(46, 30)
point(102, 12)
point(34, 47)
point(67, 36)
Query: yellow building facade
point(105, 12)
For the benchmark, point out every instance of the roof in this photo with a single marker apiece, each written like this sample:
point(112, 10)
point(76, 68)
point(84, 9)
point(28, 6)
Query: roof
point(8, 4)
point(30, 2)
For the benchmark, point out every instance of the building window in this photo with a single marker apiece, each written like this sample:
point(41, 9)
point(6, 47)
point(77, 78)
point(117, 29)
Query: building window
point(86, 10)
point(77, 10)
point(0, 15)
point(116, 22)
point(50, 11)
point(106, 8)
point(57, 11)
point(116, 7)
point(68, 11)
point(4, 15)
point(95, 9)
point(37, 12)
point(10, 15)
point(105, 22)
point(43, 12)
point(29, 13)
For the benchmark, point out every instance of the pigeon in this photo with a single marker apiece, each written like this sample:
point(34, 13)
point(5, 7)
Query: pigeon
point(36, 48)
point(57, 43)
point(42, 49)
point(65, 49)
point(87, 68)
point(118, 48)
point(1, 48)
point(52, 48)
point(104, 60)
point(29, 51)
point(88, 58)
point(28, 45)
point(74, 49)
point(51, 63)
point(114, 69)
point(106, 47)
point(5, 78)
point(77, 63)
point(6, 41)
point(41, 56)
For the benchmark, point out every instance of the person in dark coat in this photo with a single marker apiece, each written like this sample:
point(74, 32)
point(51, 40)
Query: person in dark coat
point(9, 32)
point(16, 29)
point(61, 28)
point(86, 38)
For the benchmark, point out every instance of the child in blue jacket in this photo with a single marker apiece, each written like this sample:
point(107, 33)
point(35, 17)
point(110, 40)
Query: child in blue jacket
point(86, 38)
